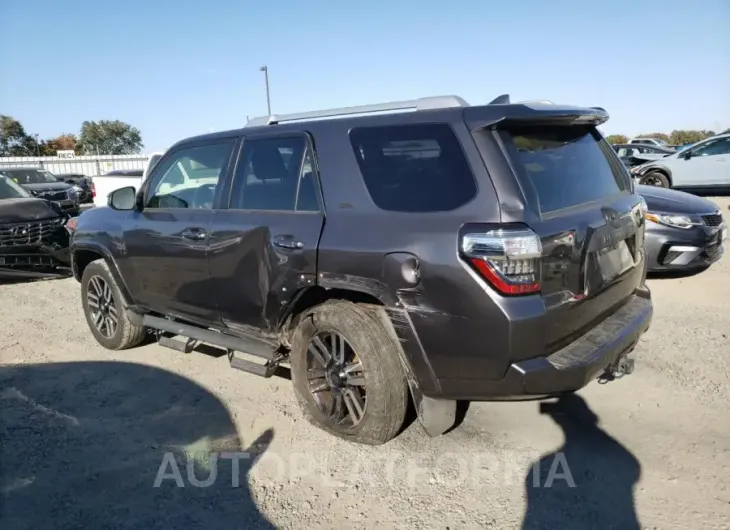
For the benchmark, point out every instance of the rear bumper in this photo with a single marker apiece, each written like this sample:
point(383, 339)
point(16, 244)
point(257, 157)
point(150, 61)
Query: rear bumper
point(568, 369)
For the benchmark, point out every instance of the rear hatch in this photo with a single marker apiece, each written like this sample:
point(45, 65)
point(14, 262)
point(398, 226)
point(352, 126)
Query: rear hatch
point(575, 217)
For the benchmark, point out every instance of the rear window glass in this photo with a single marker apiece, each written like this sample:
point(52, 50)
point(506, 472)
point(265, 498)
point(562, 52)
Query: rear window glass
point(564, 165)
point(413, 168)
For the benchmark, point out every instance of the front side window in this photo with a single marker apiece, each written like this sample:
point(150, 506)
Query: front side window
point(720, 146)
point(275, 174)
point(413, 168)
point(188, 178)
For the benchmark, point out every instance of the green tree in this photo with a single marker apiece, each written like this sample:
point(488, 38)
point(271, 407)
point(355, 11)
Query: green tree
point(681, 137)
point(109, 137)
point(14, 141)
point(659, 136)
point(617, 139)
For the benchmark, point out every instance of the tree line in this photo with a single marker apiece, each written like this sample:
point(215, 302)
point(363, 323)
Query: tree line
point(104, 137)
point(676, 137)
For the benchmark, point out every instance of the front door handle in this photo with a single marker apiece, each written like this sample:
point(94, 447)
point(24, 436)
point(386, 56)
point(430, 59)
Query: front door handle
point(194, 234)
point(287, 241)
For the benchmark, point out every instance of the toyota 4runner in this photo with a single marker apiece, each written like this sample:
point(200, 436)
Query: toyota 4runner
point(424, 248)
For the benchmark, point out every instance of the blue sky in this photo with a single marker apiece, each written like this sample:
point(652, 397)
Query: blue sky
point(179, 68)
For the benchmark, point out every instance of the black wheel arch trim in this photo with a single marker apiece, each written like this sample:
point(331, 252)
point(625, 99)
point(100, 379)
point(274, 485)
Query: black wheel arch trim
point(412, 353)
point(660, 168)
point(111, 263)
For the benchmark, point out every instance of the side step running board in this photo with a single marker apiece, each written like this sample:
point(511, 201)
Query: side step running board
point(182, 347)
point(251, 346)
point(264, 370)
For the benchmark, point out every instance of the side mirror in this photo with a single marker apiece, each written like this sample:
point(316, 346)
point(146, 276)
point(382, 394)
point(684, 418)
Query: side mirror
point(123, 198)
point(686, 154)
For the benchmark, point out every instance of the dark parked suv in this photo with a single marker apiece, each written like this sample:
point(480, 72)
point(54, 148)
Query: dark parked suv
point(452, 252)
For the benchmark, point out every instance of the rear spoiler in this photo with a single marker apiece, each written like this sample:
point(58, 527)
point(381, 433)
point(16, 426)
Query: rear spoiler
point(501, 112)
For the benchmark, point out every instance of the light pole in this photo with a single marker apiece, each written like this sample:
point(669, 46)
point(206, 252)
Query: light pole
point(265, 70)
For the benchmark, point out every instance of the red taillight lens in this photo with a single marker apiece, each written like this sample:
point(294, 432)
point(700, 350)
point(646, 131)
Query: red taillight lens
point(93, 191)
point(508, 259)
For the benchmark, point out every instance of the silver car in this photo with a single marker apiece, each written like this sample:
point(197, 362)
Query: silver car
point(703, 166)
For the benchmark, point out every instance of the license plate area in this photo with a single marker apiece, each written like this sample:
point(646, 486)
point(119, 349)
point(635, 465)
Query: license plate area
point(613, 262)
point(604, 266)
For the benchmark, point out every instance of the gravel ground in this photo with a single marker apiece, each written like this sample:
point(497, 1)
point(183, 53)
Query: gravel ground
point(84, 434)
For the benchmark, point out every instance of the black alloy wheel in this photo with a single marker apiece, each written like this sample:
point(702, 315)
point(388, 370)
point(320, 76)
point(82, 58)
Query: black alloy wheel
point(100, 300)
point(336, 379)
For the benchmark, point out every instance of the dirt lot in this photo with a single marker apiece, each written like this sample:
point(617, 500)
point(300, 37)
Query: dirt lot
point(84, 433)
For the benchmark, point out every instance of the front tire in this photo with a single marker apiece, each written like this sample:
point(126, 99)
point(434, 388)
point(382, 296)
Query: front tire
point(347, 374)
point(655, 178)
point(105, 313)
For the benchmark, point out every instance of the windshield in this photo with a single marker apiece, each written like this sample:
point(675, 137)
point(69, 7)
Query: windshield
point(564, 165)
point(10, 190)
point(30, 176)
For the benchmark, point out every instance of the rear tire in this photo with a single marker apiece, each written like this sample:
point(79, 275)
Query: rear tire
point(375, 405)
point(105, 313)
point(655, 178)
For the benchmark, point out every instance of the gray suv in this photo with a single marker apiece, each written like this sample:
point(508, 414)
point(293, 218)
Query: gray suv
point(423, 248)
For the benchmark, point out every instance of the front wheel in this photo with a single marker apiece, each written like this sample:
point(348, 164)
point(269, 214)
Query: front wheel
point(105, 313)
point(347, 374)
point(655, 178)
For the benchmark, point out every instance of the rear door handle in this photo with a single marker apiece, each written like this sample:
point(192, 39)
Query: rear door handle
point(194, 234)
point(287, 241)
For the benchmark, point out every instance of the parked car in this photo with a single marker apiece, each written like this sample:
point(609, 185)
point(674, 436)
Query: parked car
point(447, 266)
point(33, 239)
point(105, 184)
point(634, 154)
point(649, 141)
point(683, 232)
point(80, 182)
point(45, 185)
point(703, 166)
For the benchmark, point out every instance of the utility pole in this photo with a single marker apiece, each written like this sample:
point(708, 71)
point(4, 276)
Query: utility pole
point(265, 70)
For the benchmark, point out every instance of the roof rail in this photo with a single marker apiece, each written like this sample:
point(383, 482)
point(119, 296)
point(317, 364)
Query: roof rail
point(434, 102)
point(537, 101)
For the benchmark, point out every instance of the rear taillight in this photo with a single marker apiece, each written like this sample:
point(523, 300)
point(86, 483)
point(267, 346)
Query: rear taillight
point(93, 191)
point(508, 259)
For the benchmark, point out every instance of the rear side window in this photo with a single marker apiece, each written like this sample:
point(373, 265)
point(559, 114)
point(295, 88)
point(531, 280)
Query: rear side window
point(413, 168)
point(275, 174)
point(564, 165)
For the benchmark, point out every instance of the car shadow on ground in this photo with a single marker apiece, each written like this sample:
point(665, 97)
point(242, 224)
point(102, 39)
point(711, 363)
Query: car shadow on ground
point(675, 275)
point(120, 445)
point(13, 280)
point(586, 483)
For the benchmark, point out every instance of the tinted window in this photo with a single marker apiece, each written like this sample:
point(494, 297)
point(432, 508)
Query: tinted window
point(275, 174)
point(565, 165)
point(721, 146)
point(30, 176)
point(413, 168)
point(10, 190)
point(189, 177)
